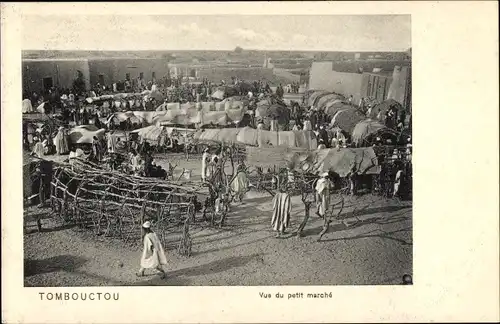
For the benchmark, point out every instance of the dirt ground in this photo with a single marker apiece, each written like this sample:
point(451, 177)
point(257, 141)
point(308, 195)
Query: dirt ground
point(373, 247)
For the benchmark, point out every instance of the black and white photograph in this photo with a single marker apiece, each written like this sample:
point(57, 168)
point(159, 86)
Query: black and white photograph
point(217, 150)
point(250, 162)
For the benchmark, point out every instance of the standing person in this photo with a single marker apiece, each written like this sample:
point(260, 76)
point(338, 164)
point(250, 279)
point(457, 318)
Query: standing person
point(281, 212)
point(322, 195)
point(352, 179)
point(38, 149)
point(215, 162)
point(205, 160)
point(97, 121)
point(307, 125)
point(369, 110)
point(239, 185)
point(350, 100)
point(153, 254)
point(97, 149)
point(112, 140)
point(362, 104)
point(323, 135)
point(61, 142)
point(397, 181)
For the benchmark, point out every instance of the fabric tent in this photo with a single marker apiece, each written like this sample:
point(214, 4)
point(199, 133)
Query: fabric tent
point(248, 136)
point(332, 107)
point(235, 115)
point(314, 95)
point(305, 139)
point(341, 161)
point(220, 135)
point(320, 96)
point(364, 129)
point(324, 100)
point(215, 117)
point(346, 119)
point(281, 113)
point(207, 135)
point(228, 135)
point(151, 133)
point(224, 92)
point(318, 161)
point(84, 134)
point(384, 107)
point(292, 139)
point(124, 116)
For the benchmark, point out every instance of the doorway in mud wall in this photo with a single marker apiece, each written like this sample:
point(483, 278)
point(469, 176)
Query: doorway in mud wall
point(48, 83)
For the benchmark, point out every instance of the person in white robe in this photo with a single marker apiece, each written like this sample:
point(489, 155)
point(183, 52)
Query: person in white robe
point(295, 127)
point(38, 149)
point(282, 208)
point(239, 185)
point(321, 145)
point(397, 182)
point(307, 125)
point(61, 142)
point(27, 107)
point(111, 143)
point(205, 160)
point(322, 195)
point(153, 254)
point(274, 125)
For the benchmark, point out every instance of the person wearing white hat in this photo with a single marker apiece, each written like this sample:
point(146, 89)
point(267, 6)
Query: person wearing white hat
point(153, 254)
point(322, 194)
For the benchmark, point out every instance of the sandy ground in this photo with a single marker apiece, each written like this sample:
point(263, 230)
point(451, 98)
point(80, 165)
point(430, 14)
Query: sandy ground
point(374, 248)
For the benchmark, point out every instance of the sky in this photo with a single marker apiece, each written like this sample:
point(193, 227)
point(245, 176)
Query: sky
point(222, 32)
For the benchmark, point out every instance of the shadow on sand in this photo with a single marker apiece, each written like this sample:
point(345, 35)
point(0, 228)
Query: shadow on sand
point(177, 277)
point(68, 263)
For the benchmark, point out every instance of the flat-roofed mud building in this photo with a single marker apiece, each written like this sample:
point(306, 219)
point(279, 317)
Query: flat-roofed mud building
point(42, 74)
